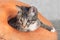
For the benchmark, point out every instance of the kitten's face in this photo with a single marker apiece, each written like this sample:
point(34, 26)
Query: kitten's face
point(26, 16)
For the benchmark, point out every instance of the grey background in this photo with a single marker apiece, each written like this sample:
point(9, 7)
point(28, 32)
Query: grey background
point(49, 9)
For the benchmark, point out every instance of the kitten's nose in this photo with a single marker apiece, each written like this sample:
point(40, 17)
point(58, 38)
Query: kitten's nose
point(24, 22)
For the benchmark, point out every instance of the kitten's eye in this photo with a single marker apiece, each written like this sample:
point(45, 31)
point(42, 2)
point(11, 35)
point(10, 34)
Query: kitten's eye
point(20, 21)
point(32, 22)
point(19, 12)
point(27, 23)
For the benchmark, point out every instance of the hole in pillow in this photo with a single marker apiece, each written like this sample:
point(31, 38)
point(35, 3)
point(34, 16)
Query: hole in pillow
point(12, 22)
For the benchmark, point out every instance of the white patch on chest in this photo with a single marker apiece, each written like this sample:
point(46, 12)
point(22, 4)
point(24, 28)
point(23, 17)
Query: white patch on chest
point(32, 13)
point(33, 27)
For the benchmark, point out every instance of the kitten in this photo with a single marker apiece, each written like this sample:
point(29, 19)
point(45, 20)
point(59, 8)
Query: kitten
point(27, 20)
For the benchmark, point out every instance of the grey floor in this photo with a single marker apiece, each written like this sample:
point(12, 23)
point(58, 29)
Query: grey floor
point(56, 23)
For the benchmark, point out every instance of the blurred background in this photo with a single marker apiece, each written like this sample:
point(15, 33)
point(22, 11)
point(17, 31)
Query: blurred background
point(49, 9)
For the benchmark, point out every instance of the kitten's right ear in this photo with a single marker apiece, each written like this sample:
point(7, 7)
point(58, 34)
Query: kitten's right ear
point(33, 11)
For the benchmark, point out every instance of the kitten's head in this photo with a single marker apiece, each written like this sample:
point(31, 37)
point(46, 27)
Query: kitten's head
point(26, 15)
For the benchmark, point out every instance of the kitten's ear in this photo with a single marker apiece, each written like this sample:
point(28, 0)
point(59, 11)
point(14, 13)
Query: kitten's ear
point(19, 11)
point(18, 8)
point(33, 10)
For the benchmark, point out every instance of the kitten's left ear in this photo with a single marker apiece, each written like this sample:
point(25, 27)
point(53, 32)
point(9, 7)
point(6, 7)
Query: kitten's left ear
point(33, 10)
point(18, 8)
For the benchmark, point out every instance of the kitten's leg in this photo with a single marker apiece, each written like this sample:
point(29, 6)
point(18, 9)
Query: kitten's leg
point(49, 28)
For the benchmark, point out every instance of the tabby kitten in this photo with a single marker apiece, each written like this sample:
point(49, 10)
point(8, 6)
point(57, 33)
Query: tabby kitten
point(26, 20)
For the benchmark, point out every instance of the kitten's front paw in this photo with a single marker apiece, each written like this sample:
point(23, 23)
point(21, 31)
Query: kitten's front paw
point(53, 29)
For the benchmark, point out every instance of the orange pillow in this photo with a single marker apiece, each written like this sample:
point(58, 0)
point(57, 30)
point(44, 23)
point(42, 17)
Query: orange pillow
point(7, 11)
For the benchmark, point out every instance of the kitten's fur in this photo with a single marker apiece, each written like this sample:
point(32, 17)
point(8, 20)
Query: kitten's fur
point(27, 20)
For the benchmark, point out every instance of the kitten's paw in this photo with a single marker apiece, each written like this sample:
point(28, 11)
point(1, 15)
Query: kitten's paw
point(53, 30)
